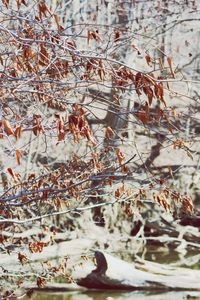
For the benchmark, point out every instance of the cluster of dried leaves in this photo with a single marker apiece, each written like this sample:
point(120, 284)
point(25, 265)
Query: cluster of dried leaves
point(46, 68)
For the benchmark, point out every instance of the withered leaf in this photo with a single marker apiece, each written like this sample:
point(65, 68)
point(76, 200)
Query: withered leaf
point(18, 156)
point(169, 61)
point(7, 127)
point(17, 132)
point(148, 60)
point(41, 282)
point(22, 258)
point(6, 3)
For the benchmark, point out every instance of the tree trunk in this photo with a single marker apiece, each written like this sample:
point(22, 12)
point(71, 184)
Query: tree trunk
point(114, 274)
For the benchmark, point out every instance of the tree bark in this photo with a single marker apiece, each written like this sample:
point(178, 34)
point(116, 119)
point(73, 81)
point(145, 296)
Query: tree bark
point(114, 274)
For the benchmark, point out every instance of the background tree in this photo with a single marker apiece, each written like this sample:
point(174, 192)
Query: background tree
point(98, 123)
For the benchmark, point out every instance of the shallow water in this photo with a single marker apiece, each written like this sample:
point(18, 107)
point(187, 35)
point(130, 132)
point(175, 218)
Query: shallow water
point(93, 295)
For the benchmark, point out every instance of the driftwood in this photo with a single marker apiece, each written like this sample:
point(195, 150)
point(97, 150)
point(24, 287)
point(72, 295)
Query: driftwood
point(115, 274)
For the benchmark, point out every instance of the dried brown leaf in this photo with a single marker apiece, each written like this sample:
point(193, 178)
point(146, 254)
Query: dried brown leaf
point(6, 3)
point(17, 132)
point(41, 282)
point(169, 61)
point(18, 156)
point(148, 60)
point(7, 127)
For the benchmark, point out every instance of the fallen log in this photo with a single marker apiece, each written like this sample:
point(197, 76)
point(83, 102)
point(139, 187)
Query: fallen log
point(114, 274)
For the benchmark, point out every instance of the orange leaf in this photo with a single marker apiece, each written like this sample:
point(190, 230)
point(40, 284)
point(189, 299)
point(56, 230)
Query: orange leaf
point(7, 127)
point(109, 132)
point(96, 36)
point(56, 20)
point(11, 172)
point(148, 60)
point(142, 115)
point(120, 156)
point(60, 124)
point(119, 191)
point(43, 9)
point(60, 28)
point(88, 134)
point(41, 282)
point(149, 92)
point(71, 44)
point(61, 135)
point(6, 3)
point(93, 35)
point(138, 82)
point(88, 37)
point(169, 61)
point(18, 4)
point(27, 52)
point(17, 132)
point(18, 156)
point(117, 36)
point(37, 124)
point(44, 56)
point(159, 92)
point(22, 258)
